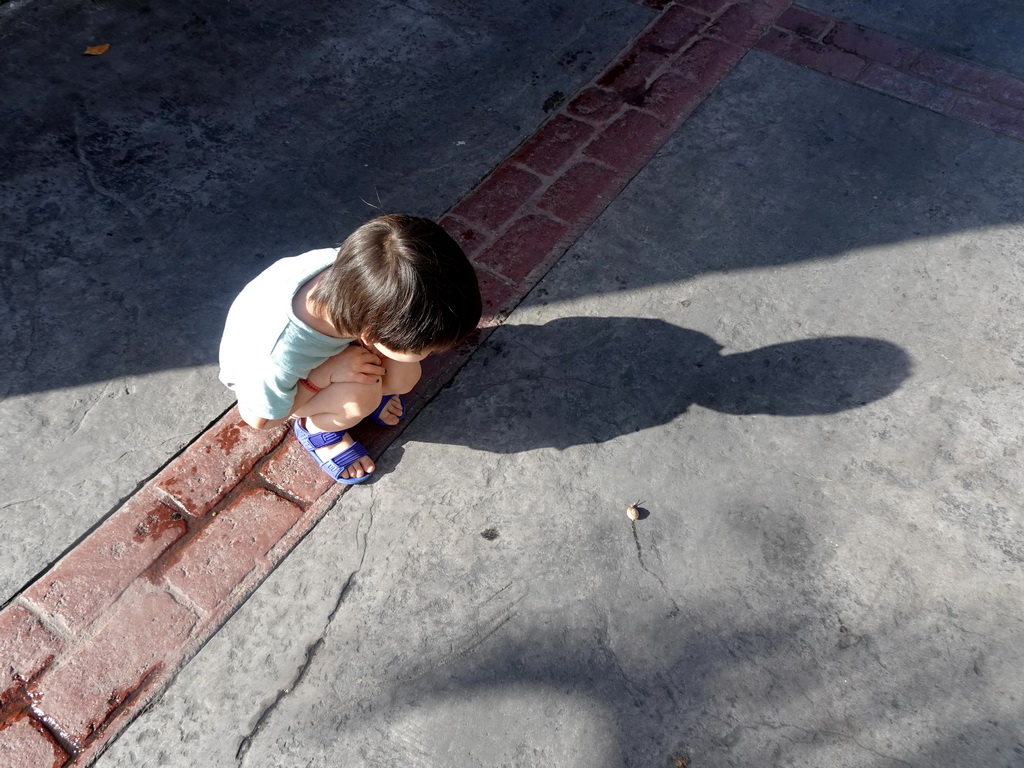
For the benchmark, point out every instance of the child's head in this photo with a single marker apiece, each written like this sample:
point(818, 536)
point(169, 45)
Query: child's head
point(403, 282)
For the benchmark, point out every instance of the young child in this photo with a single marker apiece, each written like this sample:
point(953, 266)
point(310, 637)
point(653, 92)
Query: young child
point(330, 338)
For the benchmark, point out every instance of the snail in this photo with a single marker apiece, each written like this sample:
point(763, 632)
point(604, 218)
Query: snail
point(633, 510)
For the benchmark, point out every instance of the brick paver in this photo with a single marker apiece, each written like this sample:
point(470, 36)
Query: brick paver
point(215, 464)
point(26, 742)
point(93, 575)
point(943, 84)
point(91, 688)
point(228, 549)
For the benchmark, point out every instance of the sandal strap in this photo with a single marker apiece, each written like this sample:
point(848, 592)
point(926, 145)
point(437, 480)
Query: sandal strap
point(318, 439)
point(334, 466)
point(375, 416)
point(324, 439)
point(338, 464)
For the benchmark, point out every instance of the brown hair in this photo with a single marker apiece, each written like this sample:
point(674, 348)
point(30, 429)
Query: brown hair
point(403, 282)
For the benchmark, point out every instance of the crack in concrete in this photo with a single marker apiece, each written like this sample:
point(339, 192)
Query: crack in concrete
point(589, 383)
point(639, 551)
point(16, 273)
point(18, 502)
point(454, 21)
point(475, 642)
point(90, 174)
point(816, 732)
point(652, 574)
point(636, 691)
point(265, 715)
point(811, 732)
point(73, 430)
point(311, 652)
point(500, 591)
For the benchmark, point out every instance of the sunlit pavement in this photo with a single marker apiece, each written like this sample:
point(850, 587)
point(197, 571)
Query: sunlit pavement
point(794, 338)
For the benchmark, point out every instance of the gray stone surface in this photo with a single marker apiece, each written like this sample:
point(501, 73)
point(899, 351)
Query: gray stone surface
point(988, 32)
point(797, 338)
point(140, 189)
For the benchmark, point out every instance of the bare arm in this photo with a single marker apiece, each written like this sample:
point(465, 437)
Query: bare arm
point(354, 364)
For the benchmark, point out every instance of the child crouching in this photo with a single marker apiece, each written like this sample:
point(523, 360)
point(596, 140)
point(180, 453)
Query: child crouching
point(330, 338)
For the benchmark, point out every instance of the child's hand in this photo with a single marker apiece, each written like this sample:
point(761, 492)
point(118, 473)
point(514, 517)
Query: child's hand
point(357, 365)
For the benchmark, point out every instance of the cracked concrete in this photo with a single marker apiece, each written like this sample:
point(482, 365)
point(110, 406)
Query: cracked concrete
point(311, 651)
point(142, 188)
point(797, 335)
point(810, 379)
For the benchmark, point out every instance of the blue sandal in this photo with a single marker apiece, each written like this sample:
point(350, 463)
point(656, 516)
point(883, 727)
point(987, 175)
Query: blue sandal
point(335, 466)
point(375, 416)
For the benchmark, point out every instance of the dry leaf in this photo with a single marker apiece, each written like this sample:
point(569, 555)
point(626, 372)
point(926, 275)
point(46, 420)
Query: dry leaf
point(96, 50)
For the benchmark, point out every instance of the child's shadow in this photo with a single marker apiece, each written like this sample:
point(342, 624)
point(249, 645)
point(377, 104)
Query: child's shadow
point(583, 380)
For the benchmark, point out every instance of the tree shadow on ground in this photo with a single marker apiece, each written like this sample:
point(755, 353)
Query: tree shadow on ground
point(138, 199)
point(141, 189)
point(579, 380)
point(764, 674)
point(729, 697)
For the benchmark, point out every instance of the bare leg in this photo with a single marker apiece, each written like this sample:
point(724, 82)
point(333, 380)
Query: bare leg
point(399, 379)
point(336, 408)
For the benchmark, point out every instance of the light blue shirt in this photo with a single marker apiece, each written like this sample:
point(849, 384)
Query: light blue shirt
point(266, 348)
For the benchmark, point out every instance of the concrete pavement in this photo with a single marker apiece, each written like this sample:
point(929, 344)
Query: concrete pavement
point(795, 336)
point(144, 187)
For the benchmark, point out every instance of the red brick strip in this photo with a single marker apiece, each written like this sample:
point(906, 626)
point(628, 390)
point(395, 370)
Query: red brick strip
point(94, 639)
point(875, 60)
point(523, 216)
